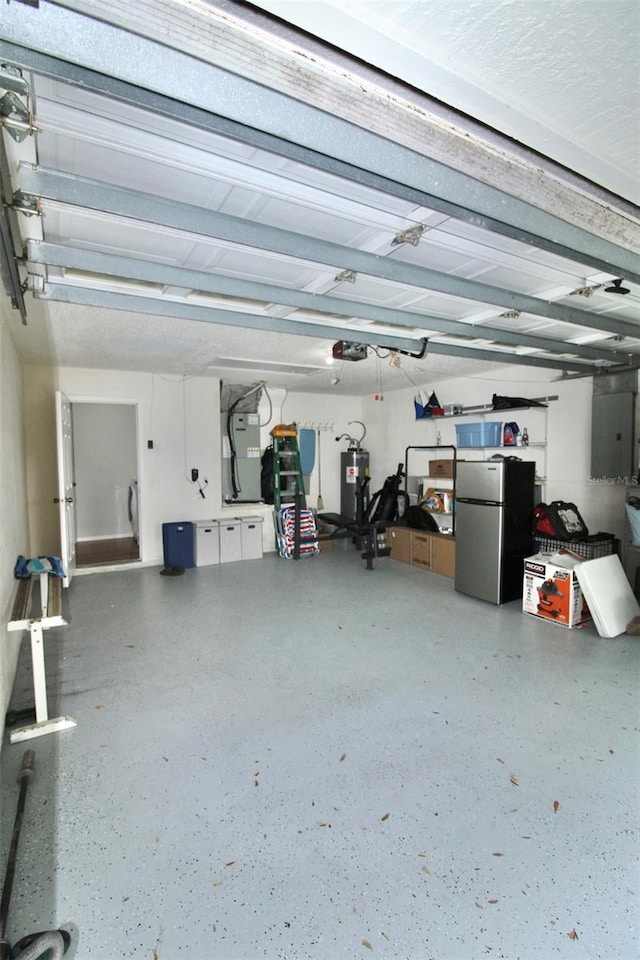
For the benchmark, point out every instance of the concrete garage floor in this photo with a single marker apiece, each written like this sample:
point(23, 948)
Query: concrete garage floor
point(312, 761)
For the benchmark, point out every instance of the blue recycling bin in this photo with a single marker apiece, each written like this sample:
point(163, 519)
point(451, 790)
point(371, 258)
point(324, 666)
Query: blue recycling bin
point(178, 544)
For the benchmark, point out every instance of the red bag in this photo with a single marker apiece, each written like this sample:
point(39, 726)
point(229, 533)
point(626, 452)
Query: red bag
point(559, 520)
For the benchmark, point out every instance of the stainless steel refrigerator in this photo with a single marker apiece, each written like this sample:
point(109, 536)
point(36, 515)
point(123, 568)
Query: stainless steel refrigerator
point(494, 514)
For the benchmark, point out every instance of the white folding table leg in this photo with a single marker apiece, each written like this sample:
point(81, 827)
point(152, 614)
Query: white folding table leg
point(43, 724)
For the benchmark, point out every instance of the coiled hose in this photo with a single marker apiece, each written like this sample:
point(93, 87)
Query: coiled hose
point(50, 943)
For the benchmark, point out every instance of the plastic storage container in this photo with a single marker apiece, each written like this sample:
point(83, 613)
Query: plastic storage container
point(481, 434)
point(251, 538)
point(230, 540)
point(177, 544)
point(207, 542)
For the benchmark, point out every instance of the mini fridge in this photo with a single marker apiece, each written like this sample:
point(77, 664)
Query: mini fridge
point(494, 516)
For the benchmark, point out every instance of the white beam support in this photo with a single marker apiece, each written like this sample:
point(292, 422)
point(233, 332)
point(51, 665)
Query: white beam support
point(51, 254)
point(94, 195)
point(261, 83)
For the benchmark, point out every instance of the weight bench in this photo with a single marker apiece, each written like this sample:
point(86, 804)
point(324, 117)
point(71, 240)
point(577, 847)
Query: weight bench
point(364, 533)
point(50, 615)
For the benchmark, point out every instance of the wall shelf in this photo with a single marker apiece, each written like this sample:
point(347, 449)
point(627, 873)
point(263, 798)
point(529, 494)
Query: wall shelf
point(482, 409)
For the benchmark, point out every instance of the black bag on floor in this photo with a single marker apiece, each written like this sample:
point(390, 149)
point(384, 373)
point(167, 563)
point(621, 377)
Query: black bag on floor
point(559, 521)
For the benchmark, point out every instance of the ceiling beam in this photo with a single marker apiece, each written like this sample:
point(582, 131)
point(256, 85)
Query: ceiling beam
point(68, 293)
point(173, 109)
point(89, 42)
point(162, 306)
point(60, 255)
point(119, 201)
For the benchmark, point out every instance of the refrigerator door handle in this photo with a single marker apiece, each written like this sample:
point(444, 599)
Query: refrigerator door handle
point(483, 503)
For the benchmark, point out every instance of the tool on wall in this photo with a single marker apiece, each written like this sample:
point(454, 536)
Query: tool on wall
point(320, 502)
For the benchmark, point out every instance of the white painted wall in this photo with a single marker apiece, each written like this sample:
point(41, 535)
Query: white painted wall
point(105, 460)
point(182, 418)
point(565, 462)
point(13, 529)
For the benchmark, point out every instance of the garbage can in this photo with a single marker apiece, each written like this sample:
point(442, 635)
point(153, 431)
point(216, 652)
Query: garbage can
point(177, 544)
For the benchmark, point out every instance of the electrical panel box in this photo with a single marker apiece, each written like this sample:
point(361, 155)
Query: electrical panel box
point(241, 458)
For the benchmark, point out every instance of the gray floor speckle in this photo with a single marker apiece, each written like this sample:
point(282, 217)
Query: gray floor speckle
point(312, 761)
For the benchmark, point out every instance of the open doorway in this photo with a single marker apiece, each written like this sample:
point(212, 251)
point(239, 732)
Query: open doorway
point(105, 457)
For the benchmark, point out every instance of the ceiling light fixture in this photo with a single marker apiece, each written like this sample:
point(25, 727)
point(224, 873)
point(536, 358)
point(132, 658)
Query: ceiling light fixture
point(616, 287)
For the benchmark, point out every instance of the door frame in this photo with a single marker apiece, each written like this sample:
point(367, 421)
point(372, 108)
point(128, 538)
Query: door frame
point(123, 401)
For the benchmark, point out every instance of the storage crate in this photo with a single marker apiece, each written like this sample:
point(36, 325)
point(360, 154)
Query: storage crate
point(207, 546)
point(597, 545)
point(481, 434)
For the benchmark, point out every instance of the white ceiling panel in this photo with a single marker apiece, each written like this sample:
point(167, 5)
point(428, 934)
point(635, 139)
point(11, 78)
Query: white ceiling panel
point(214, 222)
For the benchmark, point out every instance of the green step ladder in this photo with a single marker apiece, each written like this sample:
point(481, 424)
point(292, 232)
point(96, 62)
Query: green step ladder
point(286, 468)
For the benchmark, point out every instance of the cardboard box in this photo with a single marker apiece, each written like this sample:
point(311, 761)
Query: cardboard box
point(441, 468)
point(421, 549)
point(551, 590)
point(400, 543)
point(443, 555)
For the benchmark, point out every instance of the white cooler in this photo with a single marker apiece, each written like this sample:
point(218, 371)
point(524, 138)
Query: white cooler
point(207, 542)
point(251, 537)
point(230, 540)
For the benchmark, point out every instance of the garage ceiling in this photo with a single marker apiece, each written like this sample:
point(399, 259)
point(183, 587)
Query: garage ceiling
point(232, 201)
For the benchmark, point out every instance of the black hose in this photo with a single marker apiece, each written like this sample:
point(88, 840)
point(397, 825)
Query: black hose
point(24, 776)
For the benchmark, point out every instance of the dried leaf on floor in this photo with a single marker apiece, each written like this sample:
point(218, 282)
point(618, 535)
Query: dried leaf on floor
point(99, 706)
point(256, 783)
point(385, 936)
point(499, 759)
point(572, 934)
point(365, 943)
point(124, 899)
point(426, 870)
point(229, 863)
point(556, 806)
point(214, 928)
point(514, 780)
point(343, 757)
point(385, 816)
point(497, 854)
point(492, 901)
point(218, 883)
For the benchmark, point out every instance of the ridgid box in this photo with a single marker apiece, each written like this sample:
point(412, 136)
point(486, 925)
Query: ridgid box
point(551, 590)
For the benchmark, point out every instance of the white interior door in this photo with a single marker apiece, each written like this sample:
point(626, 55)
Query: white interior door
point(66, 485)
